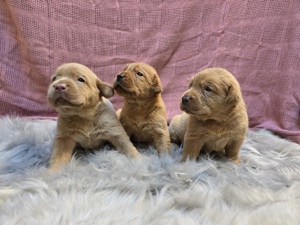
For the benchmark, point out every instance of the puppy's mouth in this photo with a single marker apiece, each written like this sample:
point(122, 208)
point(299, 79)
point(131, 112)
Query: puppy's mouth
point(185, 109)
point(119, 88)
point(63, 100)
point(202, 112)
point(117, 85)
point(122, 89)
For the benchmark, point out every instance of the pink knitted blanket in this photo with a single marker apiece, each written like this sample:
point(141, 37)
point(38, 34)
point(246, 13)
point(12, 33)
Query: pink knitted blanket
point(257, 40)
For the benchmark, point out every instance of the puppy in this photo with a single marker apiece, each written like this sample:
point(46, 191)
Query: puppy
point(143, 115)
point(214, 118)
point(85, 116)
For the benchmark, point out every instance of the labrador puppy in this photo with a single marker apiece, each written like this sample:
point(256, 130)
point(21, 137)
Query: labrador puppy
point(214, 118)
point(85, 117)
point(143, 115)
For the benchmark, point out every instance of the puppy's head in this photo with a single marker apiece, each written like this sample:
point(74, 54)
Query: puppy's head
point(138, 80)
point(211, 93)
point(74, 85)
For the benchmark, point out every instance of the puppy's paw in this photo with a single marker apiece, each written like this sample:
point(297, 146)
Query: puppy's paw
point(53, 168)
point(118, 112)
point(136, 155)
point(236, 161)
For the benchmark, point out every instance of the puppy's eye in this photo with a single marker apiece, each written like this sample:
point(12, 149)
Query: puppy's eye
point(208, 89)
point(53, 79)
point(139, 74)
point(80, 79)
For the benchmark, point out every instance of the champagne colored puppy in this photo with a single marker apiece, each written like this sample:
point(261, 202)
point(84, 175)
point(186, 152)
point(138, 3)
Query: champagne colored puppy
point(214, 118)
point(85, 116)
point(144, 114)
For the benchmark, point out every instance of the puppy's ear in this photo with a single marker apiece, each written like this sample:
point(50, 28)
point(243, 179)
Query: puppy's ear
point(105, 89)
point(156, 85)
point(232, 95)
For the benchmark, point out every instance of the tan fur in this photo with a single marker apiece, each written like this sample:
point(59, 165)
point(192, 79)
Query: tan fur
point(216, 118)
point(144, 114)
point(85, 116)
point(177, 128)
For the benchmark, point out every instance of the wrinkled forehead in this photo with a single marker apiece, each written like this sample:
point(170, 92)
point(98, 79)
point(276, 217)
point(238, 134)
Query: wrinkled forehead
point(206, 79)
point(74, 71)
point(139, 67)
point(131, 66)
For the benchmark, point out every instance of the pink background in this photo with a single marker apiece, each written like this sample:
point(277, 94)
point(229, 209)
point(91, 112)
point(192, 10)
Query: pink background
point(257, 40)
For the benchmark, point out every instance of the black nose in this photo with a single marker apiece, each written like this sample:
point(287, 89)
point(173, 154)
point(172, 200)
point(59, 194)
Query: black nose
point(120, 77)
point(185, 99)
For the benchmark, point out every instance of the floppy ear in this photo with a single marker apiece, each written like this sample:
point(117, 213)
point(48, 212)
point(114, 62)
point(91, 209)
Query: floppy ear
point(156, 85)
point(105, 89)
point(232, 95)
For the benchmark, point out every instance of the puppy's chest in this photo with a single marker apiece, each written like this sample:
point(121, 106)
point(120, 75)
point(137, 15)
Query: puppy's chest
point(90, 136)
point(217, 136)
point(138, 129)
point(217, 144)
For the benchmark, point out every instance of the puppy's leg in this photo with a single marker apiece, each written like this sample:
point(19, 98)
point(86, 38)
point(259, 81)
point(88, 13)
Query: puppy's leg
point(118, 112)
point(120, 140)
point(191, 147)
point(61, 154)
point(162, 143)
point(124, 145)
point(232, 150)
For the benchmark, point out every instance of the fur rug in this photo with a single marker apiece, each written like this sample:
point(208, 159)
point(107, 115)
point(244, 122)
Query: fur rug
point(106, 187)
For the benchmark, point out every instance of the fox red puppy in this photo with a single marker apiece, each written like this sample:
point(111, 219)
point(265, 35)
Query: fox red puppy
point(144, 114)
point(214, 118)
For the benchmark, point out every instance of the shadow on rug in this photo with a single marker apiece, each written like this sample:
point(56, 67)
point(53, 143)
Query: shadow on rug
point(106, 187)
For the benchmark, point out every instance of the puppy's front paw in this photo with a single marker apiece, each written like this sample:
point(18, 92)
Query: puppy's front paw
point(62, 151)
point(236, 161)
point(54, 167)
point(135, 155)
point(118, 112)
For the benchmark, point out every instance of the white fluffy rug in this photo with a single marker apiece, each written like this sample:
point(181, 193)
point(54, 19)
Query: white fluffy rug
point(106, 187)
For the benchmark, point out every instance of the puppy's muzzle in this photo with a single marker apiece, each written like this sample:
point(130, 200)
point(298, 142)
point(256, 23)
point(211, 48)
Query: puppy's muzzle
point(186, 99)
point(120, 77)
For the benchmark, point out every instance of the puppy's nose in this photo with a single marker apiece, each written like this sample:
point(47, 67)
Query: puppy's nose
point(185, 99)
point(120, 77)
point(60, 87)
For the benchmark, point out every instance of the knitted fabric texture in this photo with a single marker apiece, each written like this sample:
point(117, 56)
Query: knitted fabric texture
point(256, 40)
